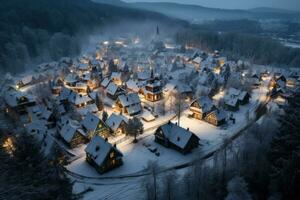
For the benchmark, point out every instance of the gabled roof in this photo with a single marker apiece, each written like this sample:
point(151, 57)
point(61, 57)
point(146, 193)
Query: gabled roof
point(116, 75)
point(129, 99)
point(12, 98)
point(98, 149)
point(112, 88)
point(114, 121)
point(64, 94)
point(68, 131)
point(145, 75)
point(78, 99)
point(176, 134)
point(205, 104)
point(105, 82)
point(220, 114)
point(132, 85)
point(71, 78)
point(90, 122)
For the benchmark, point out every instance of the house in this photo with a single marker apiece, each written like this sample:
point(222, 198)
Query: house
point(232, 104)
point(217, 117)
point(116, 123)
point(116, 77)
point(132, 86)
point(201, 107)
point(79, 100)
point(153, 89)
point(235, 97)
point(72, 135)
point(102, 155)
point(129, 104)
point(18, 102)
point(173, 136)
point(25, 81)
point(144, 76)
point(71, 80)
point(64, 95)
point(92, 125)
point(113, 91)
point(105, 82)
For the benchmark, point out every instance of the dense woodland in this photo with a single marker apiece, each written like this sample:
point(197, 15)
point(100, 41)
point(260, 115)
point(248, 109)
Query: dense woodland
point(262, 164)
point(260, 50)
point(27, 174)
point(43, 30)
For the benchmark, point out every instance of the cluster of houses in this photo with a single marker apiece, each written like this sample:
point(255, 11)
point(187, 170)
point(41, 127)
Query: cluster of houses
point(125, 78)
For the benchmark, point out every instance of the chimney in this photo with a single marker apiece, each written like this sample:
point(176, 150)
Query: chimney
point(169, 122)
point(176, 123)
point(106, 139)
point(188, 129)
point(115, 145)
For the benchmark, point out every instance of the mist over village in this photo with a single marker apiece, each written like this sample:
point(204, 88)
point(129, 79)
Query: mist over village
point(150, 100)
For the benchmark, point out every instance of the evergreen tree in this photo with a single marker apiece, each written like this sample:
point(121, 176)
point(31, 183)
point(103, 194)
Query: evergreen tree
point(134, 128)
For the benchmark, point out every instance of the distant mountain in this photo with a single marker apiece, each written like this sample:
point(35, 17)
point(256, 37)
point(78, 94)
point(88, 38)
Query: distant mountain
point(196, 13)
point(272, 10)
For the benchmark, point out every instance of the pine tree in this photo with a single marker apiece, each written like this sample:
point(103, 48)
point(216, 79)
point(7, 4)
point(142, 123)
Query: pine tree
point(99, 102)
point(104, 116)
point(134, 128)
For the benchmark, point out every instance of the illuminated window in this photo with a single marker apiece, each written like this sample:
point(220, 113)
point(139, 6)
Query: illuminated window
point(112, 154)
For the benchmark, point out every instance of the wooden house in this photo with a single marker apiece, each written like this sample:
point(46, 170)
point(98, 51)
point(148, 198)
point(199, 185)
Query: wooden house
point(217, 117)
point(129, 104)
point(79, 100)
point(92, 125)
point(201, 107)
point(116, 77)
point(17, 103)
point(102, 155)
point(172, 136)
point(113, 91)
point(116, 123)
point(72, 135)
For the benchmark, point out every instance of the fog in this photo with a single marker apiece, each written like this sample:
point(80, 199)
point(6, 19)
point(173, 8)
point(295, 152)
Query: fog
point(236, 4)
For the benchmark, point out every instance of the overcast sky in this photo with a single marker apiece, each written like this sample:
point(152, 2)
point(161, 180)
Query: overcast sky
point(239, 4)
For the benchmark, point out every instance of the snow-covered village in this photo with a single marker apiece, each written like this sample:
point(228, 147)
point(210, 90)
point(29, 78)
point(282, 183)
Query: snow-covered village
point(149, 118)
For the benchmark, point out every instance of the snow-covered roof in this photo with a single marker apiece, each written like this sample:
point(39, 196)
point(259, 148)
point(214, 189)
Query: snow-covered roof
point(68, 131)
point(90, 108)
point(220, 114)
point(26, 80)
point(129, 99)
point(112, 88)
point(71, 78)
point(145, 75)
point(64, 94)
point(90, 122)
point(12, 99)
point(132, 85)
point(205, 104)
point(98, 149)
point(115, 120)
point(116, 75)
point(78, 99)
point(176, 134)
point(105, 82)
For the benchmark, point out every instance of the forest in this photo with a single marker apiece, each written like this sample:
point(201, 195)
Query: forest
point(234, 45)
point(42, 30)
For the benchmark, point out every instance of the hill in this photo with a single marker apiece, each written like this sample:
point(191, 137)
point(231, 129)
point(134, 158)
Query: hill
point(196, 13)
point(41, 30)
